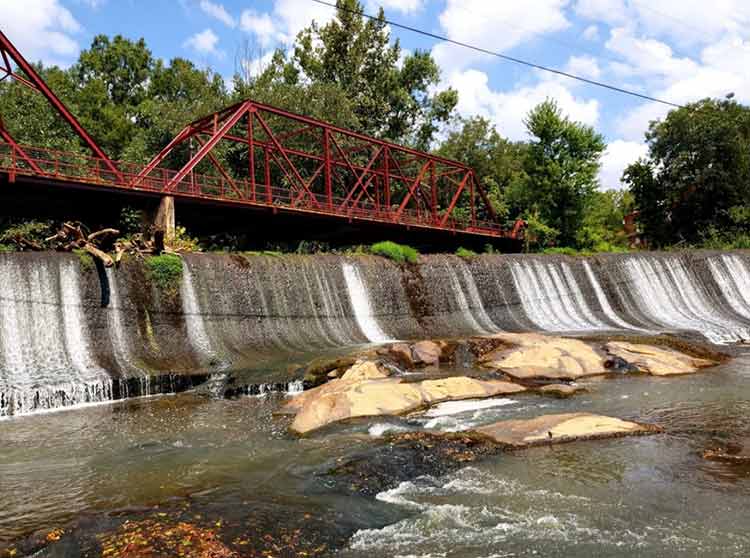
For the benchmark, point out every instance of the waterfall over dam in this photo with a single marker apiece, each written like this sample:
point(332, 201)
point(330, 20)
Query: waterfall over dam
point(59, 347)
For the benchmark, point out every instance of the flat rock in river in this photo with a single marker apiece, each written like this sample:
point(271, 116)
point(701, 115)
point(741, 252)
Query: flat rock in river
point(539, 356)
point(561, 391)
point(657, 361)
point(561, 428)
point(362, 396)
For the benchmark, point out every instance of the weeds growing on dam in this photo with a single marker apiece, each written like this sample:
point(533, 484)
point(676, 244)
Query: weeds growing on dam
point(397, 252)
point(462, 252)
point(165, 271)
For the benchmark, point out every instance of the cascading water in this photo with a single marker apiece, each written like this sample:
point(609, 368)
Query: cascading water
point(552, 298)
point(603, 301)
point(472, 313)
point(58, 348)
point(667, 294)
point(361, 305)
point(46, 359)
point(196, 327)
point(733, 277)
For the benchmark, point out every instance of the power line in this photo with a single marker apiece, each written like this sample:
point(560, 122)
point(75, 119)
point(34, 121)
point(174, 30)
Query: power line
point(504, 56)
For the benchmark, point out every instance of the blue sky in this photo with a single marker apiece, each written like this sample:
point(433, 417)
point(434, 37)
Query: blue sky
point(679, 50)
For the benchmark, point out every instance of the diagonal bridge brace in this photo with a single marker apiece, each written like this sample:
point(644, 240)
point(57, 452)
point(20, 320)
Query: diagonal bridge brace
point(9, 53)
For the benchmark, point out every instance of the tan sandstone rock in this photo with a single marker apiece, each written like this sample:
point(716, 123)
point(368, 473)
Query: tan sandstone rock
point(362, 395)
point(561, 428)
point(540, 356)
point(426, 352)
point(657, 361)
point(365, 370)
point(561, 391)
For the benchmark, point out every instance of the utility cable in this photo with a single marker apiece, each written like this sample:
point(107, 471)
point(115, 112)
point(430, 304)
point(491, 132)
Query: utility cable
point(505, 57)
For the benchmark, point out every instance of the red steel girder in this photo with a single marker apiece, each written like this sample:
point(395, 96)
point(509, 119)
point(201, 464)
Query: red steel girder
point(33, 80)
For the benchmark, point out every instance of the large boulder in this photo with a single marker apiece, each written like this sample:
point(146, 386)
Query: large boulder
point(426, 353)
point(545, 357)
point(657, 361)
point(364, 391)
point(561, 428)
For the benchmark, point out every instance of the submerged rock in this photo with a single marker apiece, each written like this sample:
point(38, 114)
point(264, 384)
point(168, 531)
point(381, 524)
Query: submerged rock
point(657, 361)
point(561, 391)
point(545, 357)
point(319, 370)
point(407, 456)
point(366, 390)
point(569, 427)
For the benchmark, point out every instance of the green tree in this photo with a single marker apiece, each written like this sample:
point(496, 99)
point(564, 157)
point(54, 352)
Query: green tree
point(112, 79)
point(31, 120)
point(561, 165)
point(497, 162)
point(697, 174)
point(602, 223)
point(391, 100)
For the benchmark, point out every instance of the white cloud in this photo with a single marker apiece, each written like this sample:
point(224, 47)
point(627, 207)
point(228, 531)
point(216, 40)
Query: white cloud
point(618, 155)
point(507, 110)
point(259, 25)
point(591, 33)
point(218, 11)
point(686, 22)
point(585, 66)
point(287, 19)
point(255, 66)
point(41, 30)
point(613, 12)
point(204, 43)
point(721, 68)
point(496, 26)
point(403, 6)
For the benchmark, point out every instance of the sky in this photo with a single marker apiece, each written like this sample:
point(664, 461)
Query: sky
point(677, 50)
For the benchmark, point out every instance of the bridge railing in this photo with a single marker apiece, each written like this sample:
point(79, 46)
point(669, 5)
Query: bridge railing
point(66, 166)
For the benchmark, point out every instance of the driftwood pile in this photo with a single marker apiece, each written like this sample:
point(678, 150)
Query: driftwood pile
point(73, 236)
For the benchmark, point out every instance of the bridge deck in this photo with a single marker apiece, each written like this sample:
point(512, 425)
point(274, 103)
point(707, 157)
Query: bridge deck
point(63, 169)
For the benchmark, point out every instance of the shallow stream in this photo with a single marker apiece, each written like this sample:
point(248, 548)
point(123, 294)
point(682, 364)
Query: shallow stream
point(231, 465)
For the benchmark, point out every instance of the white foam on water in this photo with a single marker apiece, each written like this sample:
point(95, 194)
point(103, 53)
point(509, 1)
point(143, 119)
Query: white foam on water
point(362, 307)
point(380, 428)
point(449, 408)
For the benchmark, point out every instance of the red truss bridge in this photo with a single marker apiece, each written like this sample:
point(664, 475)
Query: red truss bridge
point(258, 156)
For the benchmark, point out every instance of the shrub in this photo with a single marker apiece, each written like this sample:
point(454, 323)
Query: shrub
point(21, 235)
point(396, 252)
point(465, 252)
point(85, 259)
point(165, 271)
point(562, 250)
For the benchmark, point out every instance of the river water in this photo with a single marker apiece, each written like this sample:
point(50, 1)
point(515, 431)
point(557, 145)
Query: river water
point(81, 455)
point(89, 469)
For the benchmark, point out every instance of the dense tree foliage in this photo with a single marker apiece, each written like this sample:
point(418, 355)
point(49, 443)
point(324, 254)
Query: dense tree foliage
point(696, 179)
point(391, 97)
point(561, 166)
point(497, 162)
point(348, 72)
